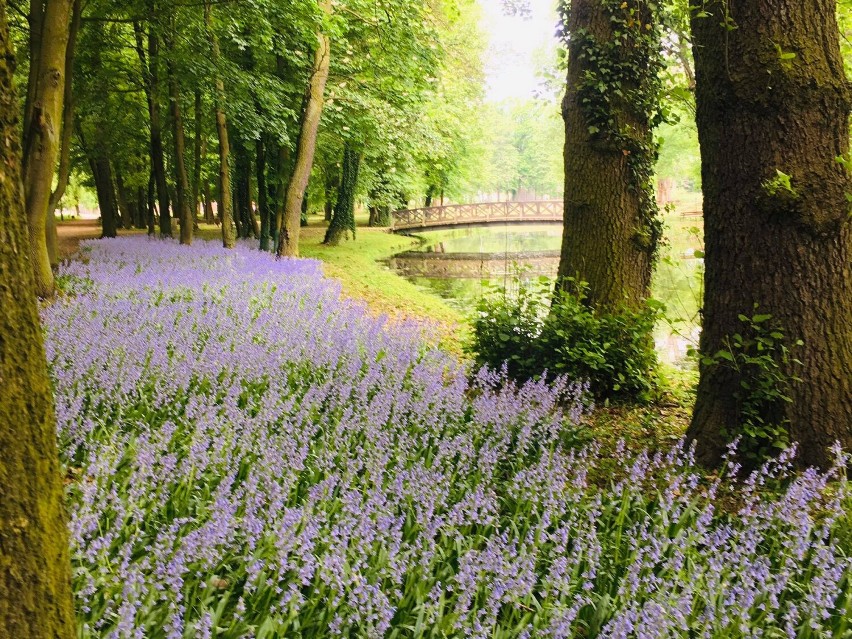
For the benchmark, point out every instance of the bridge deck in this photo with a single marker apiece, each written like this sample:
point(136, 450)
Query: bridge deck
point(481, 214)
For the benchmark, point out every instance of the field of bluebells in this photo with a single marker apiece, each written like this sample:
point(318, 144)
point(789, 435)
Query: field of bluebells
point(248, 455)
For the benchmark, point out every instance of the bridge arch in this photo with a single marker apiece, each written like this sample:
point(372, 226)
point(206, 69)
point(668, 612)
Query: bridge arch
point(479, 214)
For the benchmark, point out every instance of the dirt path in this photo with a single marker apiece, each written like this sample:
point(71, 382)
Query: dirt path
point(72, 232)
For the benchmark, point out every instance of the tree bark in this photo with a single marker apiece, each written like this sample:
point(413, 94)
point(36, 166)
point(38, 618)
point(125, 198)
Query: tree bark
point(42, 135)
point(198, 151)
point(181, 179)
point(263, 196)
point(35, 570)
point(287, 226)
point(343, 219)
point(226, 214)
point(102, 173)
point(67, 114)
point(606, 242)
point(124, 203)
point(761, 115)
point(150, 62)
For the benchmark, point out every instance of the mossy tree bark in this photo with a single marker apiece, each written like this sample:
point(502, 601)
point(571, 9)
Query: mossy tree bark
point(42, 136)
point(35, 570)
point(610, 233)
point(343, 219)
point(288, 224)
point(763, 113)
point(226, 211)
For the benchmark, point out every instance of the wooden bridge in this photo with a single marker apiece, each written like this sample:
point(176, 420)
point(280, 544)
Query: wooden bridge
point(483, 214)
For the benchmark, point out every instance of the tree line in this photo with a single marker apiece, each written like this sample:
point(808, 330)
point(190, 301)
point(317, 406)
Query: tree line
point(240, 112)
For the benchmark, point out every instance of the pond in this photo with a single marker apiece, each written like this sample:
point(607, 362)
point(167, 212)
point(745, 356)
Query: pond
point(463, 265)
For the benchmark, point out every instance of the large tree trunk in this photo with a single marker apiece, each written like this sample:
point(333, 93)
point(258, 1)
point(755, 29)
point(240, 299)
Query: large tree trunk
point(150, 68)
point(778, 231)
point(226, 214)
point(343, 220)
point(43, 135)
point(611, 229)
point(181, 179)
point(35, 570)
point(287, 226)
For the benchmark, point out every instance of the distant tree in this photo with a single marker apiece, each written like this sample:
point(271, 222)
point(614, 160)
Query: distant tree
point(611, 107)
point(35, 571)
point(773, 122)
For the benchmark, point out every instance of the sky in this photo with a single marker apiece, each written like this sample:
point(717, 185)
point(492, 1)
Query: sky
point(514, 42)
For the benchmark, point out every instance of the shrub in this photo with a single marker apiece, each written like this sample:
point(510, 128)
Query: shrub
point(613, 352)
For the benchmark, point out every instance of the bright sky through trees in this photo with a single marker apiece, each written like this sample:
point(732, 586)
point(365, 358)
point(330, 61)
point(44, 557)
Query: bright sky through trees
point(515, 45)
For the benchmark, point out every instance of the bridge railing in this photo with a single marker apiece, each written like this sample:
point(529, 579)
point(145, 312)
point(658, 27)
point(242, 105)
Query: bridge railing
point(543, 211)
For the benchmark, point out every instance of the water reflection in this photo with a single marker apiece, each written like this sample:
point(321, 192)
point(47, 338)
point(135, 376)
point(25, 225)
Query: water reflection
point(462, 265)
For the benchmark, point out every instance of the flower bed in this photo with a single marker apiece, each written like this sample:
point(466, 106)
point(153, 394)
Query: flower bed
point(250, 456)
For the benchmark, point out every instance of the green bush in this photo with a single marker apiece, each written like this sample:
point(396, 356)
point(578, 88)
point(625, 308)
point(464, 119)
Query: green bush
point(535, 331)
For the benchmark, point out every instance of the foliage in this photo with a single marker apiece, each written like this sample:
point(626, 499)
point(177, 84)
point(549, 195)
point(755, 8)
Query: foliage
point(313, 474)
point(531, 334)
point(758, 356)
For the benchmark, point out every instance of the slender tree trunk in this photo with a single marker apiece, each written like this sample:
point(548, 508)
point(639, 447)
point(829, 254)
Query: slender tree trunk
point(67, 117)
point(150, 62)
point(198, 152)
point(611, 231)
point(181, 180)
point(124, 206)
point(343, 220)
point(43, 135)
point(263, 196)
point(225, 210)
point(150, 201)
point(287, 227)
point(35, 570)
point(782, 243)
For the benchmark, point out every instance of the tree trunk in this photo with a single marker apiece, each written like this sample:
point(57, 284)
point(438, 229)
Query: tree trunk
point(102, 173)
point(287, 226)
point(209, 217)
point(65, 142)
point(611, 230)
point(181, 179)
point(42, 135)
point(343, 220)
point(150, 202)
point(67, 113)
point(35, 570)
point(777, 223)
point(226, 214)
point(124, 207)
point(198, 152)
point(263, 196)
point(150, 69)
